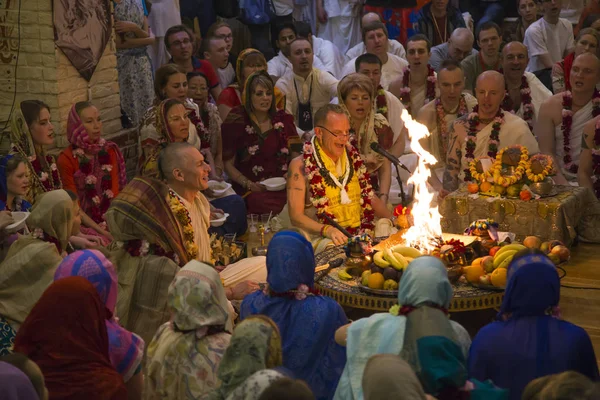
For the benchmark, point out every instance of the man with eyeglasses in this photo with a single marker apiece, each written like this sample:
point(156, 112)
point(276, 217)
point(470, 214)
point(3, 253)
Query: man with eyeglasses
point(524, 91)
point(180, 44)
point(331, 186)
point(458, 47)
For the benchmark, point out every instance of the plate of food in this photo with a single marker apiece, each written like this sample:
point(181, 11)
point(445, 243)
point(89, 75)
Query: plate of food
point(20, 218)
point(274, 184)
point(219, 188)
point(218, 219)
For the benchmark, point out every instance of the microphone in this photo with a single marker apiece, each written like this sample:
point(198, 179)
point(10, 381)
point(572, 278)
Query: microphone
point(380, 150)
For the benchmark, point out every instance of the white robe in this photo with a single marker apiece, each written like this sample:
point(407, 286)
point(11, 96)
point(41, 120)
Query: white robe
point(539, 94)
point(279, 65)
point(580, 118)
point(394, 47)
point(342, 27)
point(333, 60)
point(389, 72)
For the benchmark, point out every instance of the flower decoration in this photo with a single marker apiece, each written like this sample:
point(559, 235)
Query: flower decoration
point(278, 126)
point(252, 150)
point(442, 126)
point(596, 160)
point(567, 124)
point(257, 169)
point(544, 160)
point(301, 293)
point(201, 128)
point(519, 171)
point(38, 233)
point(91, 170)
point(141, 248)
point(401, 210)
point(450, 250)
point(50, 181)
point(528, 110)
point(250, 130)
point(182, 215)
point(473, 121)
point(381, 102)
point(405, 91)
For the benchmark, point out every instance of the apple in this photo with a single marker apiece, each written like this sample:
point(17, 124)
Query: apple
point(494, 250)
point(532, 242)
point(562, 252)
point(485, 279)
point(545, 247)
point(554, 258)
point(554, 243)
point(488, 264)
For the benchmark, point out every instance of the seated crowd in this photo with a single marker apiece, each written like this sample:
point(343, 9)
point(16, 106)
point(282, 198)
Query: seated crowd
point(110, 289)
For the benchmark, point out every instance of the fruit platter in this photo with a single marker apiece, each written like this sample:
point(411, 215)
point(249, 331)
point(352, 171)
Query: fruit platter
point(512, 174)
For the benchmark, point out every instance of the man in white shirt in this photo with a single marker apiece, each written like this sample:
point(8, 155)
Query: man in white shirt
point(549, 39)
point(280, 65)
point(333, 60)
point(394, 46)
point(375, 38)
point(215, 52)
point(340, 23)
point(458, 47)
point(306, 88)
point(524, 91)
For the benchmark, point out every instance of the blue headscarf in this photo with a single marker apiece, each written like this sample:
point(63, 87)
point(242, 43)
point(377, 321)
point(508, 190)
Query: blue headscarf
point(307, 326)
point(25, 205)
point(525, 342)
point(425, 281)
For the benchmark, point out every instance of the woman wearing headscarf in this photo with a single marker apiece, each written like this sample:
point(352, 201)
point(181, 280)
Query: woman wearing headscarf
point(255, 346)
point(425, 295)
point(256, 145)
point(15, 385)
point(529, 325)
point(125, 349)
point(389, 376)
point(184, 356)
point(72, 354)
point(306, 320)
point(367, 126)
point(32, 259)
point(248, 62)
point(91, 166)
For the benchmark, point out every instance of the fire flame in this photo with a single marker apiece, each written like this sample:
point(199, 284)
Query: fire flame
point(426, 229)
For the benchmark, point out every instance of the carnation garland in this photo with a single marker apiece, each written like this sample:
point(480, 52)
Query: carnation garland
point(49, 181)
point(544, 159)
point(87, 184)
point(528, 109)
point(253, 149)
point(596, 160)
point(405, 91)
point(473, 121)
point(441, 122)
point(381, 102)
point(202, 130)
point(519, 171)
point(567, 124)
point(182, 215)
point(317, 180)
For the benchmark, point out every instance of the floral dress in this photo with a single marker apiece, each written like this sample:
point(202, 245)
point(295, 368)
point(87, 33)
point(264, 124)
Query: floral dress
point(134, 66)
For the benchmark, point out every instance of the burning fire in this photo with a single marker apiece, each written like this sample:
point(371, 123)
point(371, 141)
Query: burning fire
point(426, 229)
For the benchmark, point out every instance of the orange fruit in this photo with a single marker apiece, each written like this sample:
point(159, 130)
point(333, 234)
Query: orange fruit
point(473, 188)
point(499, 277)
point(473, 272)
point(485, 187)
point(525, 195)
point(376, 281)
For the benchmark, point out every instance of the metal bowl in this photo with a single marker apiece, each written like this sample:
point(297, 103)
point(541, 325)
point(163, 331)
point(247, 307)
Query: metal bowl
point(542, 188)
point(454, 272)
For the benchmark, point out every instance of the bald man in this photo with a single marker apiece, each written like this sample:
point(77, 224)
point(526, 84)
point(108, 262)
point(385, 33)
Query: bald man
point(514, 62)
point(394, 47)
point(458, 47)
point(489, 90)
point(585, 73)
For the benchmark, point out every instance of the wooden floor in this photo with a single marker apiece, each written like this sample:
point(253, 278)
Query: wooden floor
point(582, 306)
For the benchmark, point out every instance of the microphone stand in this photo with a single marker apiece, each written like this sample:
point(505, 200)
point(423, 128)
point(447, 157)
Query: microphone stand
point(402, 195)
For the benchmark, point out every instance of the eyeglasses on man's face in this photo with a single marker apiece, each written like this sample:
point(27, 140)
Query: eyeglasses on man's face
point(347, 135)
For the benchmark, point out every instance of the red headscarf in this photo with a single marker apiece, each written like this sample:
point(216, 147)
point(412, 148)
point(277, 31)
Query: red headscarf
point(65, 334)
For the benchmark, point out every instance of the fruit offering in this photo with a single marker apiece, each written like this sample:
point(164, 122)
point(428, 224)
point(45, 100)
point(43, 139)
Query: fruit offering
point(388, 266)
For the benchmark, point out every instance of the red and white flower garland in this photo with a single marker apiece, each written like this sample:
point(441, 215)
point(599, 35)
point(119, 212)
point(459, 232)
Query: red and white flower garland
point(442, 126)
point(318, 196)
point(567, 124)
point(88, 185)
point(381, 102)
point(254, 149)
point(49, 181)
point(528, 109)
point(405, 91)
point(494, 141)
point(596, 160)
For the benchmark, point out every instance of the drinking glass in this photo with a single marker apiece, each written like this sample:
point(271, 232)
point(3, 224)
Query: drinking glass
point(252, 221)
point(264, 219)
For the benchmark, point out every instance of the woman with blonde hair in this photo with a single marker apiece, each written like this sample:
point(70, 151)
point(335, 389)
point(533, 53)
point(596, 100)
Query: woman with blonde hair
point(587, 41)
point(566, 385)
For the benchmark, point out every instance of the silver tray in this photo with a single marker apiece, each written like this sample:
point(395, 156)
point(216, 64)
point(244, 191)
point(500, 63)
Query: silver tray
point(379, 292)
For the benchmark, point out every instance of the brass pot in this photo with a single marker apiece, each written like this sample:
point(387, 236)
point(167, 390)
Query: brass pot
point(542, 188)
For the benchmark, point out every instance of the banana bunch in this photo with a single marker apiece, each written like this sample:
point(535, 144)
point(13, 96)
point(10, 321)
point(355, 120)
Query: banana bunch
point(343, 275)
point(504, 256)
point(397, 257)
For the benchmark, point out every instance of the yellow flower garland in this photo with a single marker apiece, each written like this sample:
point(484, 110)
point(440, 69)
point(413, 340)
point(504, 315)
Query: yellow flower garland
point(182, 215)
point(519, 171)
point(541, 176)
point(481, 177)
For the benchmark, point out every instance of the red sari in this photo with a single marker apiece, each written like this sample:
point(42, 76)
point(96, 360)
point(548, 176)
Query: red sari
point(259, 156)
point(65, 335)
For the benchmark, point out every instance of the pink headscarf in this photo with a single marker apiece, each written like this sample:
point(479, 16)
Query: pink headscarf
point(79, 137)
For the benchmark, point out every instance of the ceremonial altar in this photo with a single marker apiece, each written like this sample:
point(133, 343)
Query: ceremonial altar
point(553, 217)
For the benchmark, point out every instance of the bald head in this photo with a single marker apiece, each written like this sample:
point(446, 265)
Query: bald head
point(585, 73)
point(514, 62)
point(487, 78)
point(174, 156)
point(462, 34)
point(513, 46)
point(460, 44)
point(369, 18)
point(489, 91)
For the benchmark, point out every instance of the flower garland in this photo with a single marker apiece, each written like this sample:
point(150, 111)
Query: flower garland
point(479, 177)
point(49, 181)
point(519, 171)
point(141, 248)
point(405, 91)
point(596, 160)
point(473, 121)
point(301, 293)
point(567, 124)
point(318, 196)
point(202, 130)
point(441, 122)
point(254, 150)
point(545, 159)
point(89, 183)
point(38, 233)
point(182, 215)
point(381, 102)
point(528, 109)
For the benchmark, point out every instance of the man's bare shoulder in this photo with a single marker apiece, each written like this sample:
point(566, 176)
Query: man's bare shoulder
point(552, 108)
point(426, 114)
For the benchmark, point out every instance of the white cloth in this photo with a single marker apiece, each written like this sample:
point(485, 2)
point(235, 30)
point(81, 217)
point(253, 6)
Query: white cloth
point(226, 75)
point(389, 72)
point(394, 47)
point(394, 114)
point(544, 38)
point(283, 7)
point(280, 65)
point(539, 94)
point(251, 268)
point(580, 118)
point(333, 61)
point(164, 14)
point(199, 212)
point(342, 27)
point(324, 88)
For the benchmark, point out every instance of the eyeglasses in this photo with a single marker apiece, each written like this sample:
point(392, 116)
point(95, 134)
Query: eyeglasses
point(347, 135)
point(225, 37)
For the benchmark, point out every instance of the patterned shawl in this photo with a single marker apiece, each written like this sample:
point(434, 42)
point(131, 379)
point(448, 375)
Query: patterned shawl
point(125, 349)
point(194, 341)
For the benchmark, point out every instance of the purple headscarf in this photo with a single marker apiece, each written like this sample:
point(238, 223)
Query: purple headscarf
point(14, 384)
point(126, 349)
